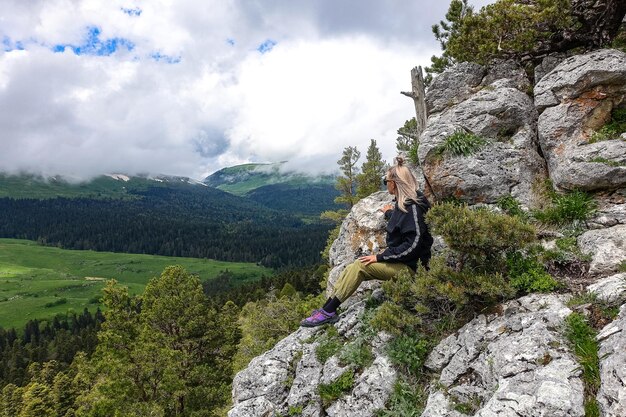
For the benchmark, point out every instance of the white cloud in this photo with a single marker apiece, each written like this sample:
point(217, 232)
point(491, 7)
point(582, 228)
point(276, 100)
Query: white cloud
point(332, 80)
point(309, 100)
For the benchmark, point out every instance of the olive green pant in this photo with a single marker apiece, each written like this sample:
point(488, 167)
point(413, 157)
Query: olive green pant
point(357, 272)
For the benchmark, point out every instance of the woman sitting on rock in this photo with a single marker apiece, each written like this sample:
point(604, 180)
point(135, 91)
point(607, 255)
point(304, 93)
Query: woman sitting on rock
point(408, 240)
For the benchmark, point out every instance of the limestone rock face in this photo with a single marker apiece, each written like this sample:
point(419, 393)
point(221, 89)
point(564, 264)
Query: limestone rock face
point(606, 246)
point(612, 354)
point(548, 64)
point(514, 364)
point(362, 233)
point(496, 108)
point(454, 86)
point(288, 376)
point(575, 99)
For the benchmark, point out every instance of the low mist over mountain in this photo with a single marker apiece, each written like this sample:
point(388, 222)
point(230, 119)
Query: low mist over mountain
point(103, 186)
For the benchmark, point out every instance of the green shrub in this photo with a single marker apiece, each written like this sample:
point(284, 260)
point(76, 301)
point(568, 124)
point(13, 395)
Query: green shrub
point(622, 266)
point(295, 411)
point(505, 28)
point(567, 208)
point(582, 339)
point(460, 143)
point(394, 318)
point(511, 206)
point(582, 298)
point(567, 244)
point(409, 352)
point(330, 392)
point(527, 274)
point(357, 353)
point(55, 303)
point(281, 316)
point(479, 237)
point(330, 344)
point(443, 291)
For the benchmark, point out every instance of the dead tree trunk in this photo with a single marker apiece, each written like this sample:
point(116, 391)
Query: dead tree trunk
point(418, 94)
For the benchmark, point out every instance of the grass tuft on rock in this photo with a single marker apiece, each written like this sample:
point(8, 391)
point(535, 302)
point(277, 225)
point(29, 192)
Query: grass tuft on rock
point(460, 143)
point(582, 339)
point(576, 206)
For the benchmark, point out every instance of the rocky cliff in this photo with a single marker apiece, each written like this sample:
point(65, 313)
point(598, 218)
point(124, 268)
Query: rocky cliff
point(514, 361)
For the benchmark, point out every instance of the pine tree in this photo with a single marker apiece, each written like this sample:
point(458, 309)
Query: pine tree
point(164, 354)
point(524, 30)
point(11, 401)
point(370, 179)
point(407, 136)
point(37, 401)
point(445, 30)
point(346, 184)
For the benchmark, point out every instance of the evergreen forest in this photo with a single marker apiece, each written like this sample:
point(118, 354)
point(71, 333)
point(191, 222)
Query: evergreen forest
point(196, 222)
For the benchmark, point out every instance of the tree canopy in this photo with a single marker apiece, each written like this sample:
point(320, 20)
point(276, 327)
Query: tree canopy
point(526, 30)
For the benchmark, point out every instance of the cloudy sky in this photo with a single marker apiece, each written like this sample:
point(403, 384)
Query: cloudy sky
point(186, 87)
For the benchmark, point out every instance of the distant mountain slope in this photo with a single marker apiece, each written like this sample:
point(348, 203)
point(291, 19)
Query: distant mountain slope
point(297, 193)
point(162, 216)
point(104, 186)
point(241, 179)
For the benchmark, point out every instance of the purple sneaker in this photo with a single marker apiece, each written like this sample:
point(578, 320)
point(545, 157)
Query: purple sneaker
point(318, 318)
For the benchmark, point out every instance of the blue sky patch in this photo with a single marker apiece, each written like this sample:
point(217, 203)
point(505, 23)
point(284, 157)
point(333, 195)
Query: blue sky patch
point(8, 45)
point(159, 57)
point(132, 12)
point(230, 41)
point(93, 45)
point(266, 46)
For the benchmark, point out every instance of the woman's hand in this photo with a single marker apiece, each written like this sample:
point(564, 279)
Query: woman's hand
point(369, 259)
point(386, 207)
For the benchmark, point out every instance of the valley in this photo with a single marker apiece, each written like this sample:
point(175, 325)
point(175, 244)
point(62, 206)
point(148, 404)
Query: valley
point(38, 282)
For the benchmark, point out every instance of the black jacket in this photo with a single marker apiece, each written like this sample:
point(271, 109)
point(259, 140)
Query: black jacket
point(408, 237)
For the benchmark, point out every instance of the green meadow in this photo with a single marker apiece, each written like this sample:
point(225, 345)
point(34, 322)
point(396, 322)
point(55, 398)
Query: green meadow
point(38, 282)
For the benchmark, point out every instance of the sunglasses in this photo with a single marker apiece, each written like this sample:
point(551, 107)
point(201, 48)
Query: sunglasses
point(385, 180)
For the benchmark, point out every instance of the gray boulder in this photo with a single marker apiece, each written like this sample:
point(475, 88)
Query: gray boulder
point(608, 216)
point(612, 393)
point(575, 99)
point(508, 164)
point(370, 393)
point(590, 75)
point(611, 289)
point(548, 64)
point(606, 246)
point(514, 364)
point(454, 86)
point(362, 233)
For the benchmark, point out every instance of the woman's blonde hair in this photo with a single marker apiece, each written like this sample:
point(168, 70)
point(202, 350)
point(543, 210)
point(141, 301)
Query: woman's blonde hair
point(406, 184)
